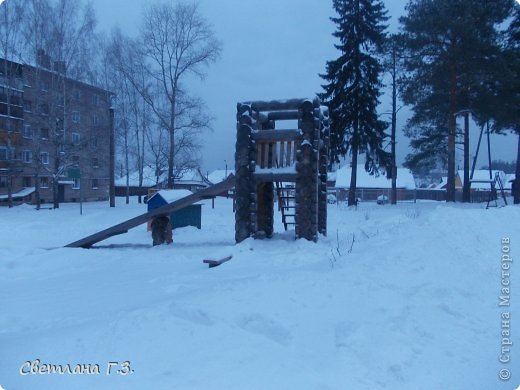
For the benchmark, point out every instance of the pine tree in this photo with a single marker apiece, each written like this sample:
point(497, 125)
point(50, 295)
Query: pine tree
point(452, 46)
point(353, 86)
point(504, 99)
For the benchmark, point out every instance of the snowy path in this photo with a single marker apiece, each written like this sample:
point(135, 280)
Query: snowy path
point(414, 305)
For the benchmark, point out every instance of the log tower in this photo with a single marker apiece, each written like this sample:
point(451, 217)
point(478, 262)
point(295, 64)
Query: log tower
point(290, 164)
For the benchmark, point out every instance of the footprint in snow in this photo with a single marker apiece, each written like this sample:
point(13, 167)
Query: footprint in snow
point(196, 316)
point(264, 326)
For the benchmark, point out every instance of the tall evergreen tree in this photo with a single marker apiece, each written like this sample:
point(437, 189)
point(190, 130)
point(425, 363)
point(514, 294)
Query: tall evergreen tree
point(452, 45)
point(353, 85)
point(505, 96)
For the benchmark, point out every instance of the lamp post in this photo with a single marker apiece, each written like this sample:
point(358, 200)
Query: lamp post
point(225, 162)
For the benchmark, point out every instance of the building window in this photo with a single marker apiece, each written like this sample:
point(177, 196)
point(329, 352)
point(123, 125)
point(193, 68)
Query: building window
point(95, 120)
point(77, 94)
point(44, 157)
point(75, 116)
point(44, 182)
point(3, 181)
point(43, 108)
point(95, 184)
point(76, 138)
point(94, 143)
point(44, 133)
point(27, 105)
point(27, 181)
point(27, 131)
point(75, 160)
point(5, 153)
point(27, 156)
point(95, 162)
point(44, 85)
point(76, 184)
point(95, 100)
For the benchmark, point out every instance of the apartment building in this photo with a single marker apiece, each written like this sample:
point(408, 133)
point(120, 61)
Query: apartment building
point(55, 135)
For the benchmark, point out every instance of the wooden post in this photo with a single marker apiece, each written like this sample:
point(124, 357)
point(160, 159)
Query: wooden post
point(323, 164)
point(307, 175)
point(245, 197)
point(111, 167)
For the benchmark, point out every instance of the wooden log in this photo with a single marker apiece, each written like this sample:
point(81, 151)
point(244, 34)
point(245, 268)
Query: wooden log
point(265, 156)
point(289, 160)
point(283, 115)
point(272, 176)
point(277, 105)
point(246, 151)
point(275, 135)
point(259, 146)
point(215, 263)
point(281, 161)
point(274, 157)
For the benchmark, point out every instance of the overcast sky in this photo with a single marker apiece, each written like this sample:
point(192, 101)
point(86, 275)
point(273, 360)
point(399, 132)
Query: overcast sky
point(272, 49)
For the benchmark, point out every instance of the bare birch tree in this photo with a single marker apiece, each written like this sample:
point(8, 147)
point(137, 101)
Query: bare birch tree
point(176, 41)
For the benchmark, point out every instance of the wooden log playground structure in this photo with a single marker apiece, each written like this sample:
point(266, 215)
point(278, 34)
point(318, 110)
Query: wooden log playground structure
point(291, 163)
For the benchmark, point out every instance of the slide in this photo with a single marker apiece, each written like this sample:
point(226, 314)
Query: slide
point(166, 210)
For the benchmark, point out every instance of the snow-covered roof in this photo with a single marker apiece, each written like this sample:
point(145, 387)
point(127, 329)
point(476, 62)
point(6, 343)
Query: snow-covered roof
point(172, 195)
point(405, 179)
point(20, 194)
point(149, 178)
point(483, 176)
point(219, 175)
point(192, 176)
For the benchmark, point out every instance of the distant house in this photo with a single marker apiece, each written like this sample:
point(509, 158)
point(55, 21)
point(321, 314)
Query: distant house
point(370, 187)
point(509, 181)
point(220, 175)
point(150, 180)
point(190, 179)
point(480, 180)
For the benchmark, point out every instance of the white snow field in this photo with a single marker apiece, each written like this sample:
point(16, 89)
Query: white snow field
point(413, 303)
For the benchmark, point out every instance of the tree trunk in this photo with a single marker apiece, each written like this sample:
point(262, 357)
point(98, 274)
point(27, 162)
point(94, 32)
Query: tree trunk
point(517, 178)
point(55, 180)
point(10, 189)
point(171, 153)
point(37, 198)
point(393, 194)
point(466, 190)
point(352, 201)
point(450, 188)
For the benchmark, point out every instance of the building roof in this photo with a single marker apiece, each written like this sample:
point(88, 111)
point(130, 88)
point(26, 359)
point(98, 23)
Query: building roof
point(171, 195)
point(220, 175)
point(480, 180)
point(19, 194)
point(149, 178)
point(405, 179)
point(192, 176)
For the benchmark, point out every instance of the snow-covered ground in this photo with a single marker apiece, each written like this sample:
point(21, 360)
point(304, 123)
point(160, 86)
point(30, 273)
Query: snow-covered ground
point(396, 297)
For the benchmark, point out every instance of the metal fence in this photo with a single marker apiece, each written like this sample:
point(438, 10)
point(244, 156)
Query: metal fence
point(403, 195)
